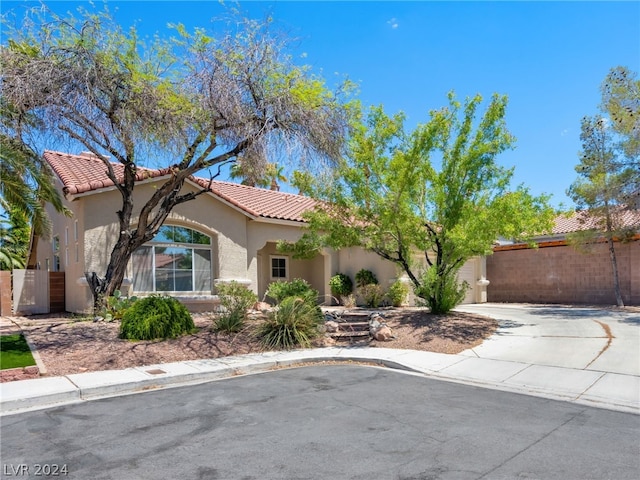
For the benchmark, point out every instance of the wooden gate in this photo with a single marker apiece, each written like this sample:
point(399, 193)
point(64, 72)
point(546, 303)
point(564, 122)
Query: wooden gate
point(38, 291)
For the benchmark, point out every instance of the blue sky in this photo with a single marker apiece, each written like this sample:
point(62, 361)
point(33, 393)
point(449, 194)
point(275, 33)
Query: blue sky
point(549, 58)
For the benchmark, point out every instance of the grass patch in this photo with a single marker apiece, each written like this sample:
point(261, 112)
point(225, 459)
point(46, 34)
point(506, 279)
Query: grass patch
point(15, 352)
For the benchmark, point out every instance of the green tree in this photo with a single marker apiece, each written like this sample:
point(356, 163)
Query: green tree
point(249, 174)
point(275, 174)
point(257, 175)
point(14, 240)
point(199, 102)
point(609, 170)
point(27, 186)
point(621, 103)
point(437, 191)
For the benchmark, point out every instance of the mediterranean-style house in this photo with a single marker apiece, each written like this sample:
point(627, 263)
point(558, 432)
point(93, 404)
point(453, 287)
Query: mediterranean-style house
point(228, 233)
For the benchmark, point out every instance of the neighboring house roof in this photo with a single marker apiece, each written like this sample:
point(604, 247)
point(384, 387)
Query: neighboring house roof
point(574, 222)
point(87, 173)
point(577, 221)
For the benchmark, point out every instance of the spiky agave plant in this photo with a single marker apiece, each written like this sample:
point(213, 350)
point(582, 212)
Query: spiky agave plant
point(294, 323)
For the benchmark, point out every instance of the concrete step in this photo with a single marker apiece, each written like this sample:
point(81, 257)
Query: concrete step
point(350, 334)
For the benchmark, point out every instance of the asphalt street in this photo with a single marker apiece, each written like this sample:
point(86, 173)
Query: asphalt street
point(323, 422)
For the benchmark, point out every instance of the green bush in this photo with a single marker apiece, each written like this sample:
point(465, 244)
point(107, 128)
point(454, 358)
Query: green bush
point(440, 293)
point(340, 285)
point(371, 294)
point(295, 288)
point(365, 277)
point(230, 322)
point(156, 317)
point(397, 293)
point(235, 300)
point(294, 323)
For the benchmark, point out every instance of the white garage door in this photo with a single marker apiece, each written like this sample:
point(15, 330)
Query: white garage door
point(468, 274)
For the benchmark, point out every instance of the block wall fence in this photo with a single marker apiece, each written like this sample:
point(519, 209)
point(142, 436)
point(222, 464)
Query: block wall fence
point(561, 274)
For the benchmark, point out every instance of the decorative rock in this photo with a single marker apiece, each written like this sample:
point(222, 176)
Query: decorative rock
point(378, 329)
point(332, 326)
point(262, 306)
point(383, 334)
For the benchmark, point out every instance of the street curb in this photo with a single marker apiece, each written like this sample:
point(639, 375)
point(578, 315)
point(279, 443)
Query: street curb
point(35, 354)
point(27, 395)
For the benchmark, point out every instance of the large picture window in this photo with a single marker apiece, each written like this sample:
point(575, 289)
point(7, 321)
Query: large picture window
point(178, 259)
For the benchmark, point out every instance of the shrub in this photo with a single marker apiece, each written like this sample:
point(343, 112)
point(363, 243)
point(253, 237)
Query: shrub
point(295, 288)
point(235, 300)
point(365, 277)
point(441, 293)
point(371, 294)
point(116, 305)
point(340, 285)
point(293, 323)
point(349, 301)
point(230, 322)
point(397, 293)
point(156, 317)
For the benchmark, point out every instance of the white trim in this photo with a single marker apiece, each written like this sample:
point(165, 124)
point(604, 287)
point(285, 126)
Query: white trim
point(277, 221)
point(74, 196)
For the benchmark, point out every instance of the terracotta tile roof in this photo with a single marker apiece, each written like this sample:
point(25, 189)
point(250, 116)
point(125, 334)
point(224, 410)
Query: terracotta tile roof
point(582, 221)
point(260, 202)
point(85, 173)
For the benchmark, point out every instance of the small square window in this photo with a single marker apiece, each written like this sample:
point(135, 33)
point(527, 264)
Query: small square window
point(279, 268)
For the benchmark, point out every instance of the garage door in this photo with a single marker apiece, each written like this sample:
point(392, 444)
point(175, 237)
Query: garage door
point(468, 274)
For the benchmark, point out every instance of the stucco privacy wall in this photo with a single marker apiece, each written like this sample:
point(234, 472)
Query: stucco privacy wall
point(563, 275)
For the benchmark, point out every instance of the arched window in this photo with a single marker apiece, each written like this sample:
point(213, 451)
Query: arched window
point(178, 259)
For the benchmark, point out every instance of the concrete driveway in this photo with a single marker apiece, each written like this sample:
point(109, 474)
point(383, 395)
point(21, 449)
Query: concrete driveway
point(588, 338)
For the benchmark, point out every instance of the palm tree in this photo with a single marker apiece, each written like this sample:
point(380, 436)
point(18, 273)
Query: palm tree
point(14, 241)
point(247, 175)
point(27, 185)
point(274, 173)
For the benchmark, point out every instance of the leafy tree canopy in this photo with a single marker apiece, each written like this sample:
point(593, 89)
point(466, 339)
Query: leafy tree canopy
point(608, 183)
point(191, 102)
point(436, 191)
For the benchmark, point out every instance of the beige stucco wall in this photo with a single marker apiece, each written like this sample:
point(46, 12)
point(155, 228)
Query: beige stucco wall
point(71, 251)
point(351, 260)
point(241, 246)
point(311, 270)
point(98, 230)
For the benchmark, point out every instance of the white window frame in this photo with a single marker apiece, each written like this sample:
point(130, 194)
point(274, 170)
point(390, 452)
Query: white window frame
point(286, 267)
point(153, 244)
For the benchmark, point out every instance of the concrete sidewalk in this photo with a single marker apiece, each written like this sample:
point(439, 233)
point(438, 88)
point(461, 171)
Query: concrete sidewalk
point(589, 387)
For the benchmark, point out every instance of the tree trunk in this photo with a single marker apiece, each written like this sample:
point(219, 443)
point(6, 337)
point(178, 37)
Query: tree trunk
point(614, 265)
point(32, 261)
point(103, 287)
